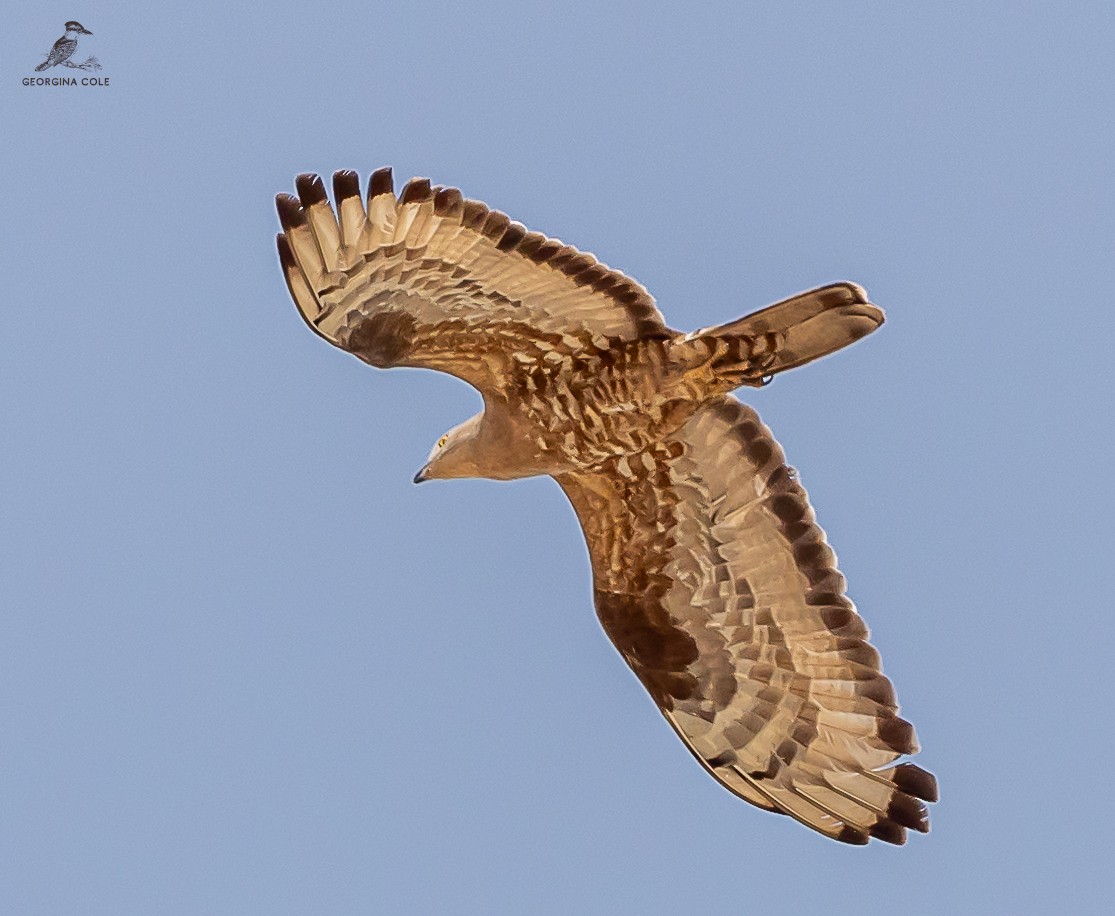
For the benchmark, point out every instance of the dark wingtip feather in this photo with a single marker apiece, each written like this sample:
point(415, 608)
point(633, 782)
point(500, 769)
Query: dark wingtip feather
point(909, 812)
point(897, 734)
point(914, 780)
point(889, 832)
point(415, 191)
point(448, 202)
point(530, 244)
point(495, 224)
point(291, 214)
point(381, 182)
point(853, 835)
point(514, 234)
point(286, 256)
point(310, 189)
point(574, 263)
point(346, 183)
point(880, 690)
point(474, 214)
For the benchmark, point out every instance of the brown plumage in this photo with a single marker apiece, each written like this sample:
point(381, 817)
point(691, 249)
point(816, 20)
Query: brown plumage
point(711, 576)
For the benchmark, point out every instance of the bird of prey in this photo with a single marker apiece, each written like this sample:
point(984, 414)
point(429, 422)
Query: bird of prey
point(710, 575)
point(65, 46)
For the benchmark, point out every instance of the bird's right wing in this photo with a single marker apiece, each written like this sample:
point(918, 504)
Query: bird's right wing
point(434, 280)
point(716, 585)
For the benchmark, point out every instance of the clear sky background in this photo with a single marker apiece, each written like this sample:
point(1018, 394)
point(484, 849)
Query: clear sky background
point(247, 667)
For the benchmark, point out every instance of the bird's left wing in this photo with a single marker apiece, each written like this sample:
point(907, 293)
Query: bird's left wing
point(718, 589)
point(431, 279)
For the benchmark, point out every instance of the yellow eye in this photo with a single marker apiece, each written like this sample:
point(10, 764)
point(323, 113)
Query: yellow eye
point(441, 442)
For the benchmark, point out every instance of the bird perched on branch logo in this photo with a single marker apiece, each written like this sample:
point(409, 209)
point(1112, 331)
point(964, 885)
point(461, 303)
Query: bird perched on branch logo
point(65, 47)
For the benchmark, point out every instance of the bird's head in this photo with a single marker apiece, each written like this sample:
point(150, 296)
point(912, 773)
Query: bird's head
point(454, 454)
point(72, 26)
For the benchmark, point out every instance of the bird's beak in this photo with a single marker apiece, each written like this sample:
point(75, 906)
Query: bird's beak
point(86, 32)
point(423, 474)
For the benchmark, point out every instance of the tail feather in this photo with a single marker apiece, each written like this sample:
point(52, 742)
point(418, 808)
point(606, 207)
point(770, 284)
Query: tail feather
point(790, 333)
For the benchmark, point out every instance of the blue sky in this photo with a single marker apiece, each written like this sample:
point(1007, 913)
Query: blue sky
point(247, 667)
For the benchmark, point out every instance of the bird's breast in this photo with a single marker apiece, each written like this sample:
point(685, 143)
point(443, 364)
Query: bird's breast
point(591, 407)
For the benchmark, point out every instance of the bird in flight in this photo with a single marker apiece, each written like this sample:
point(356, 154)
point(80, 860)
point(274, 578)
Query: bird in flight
point(710, 574)
point(65, 46)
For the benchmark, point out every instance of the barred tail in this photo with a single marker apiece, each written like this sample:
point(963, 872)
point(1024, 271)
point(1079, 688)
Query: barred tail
point(788, 334)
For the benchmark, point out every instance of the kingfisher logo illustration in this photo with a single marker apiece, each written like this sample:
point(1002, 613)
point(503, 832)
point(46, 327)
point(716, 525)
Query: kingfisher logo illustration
point(62, 54)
